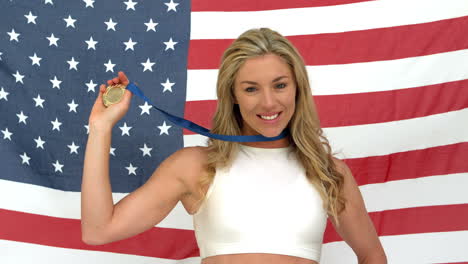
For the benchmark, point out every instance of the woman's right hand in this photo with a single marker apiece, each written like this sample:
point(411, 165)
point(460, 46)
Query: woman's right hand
point(102, 116)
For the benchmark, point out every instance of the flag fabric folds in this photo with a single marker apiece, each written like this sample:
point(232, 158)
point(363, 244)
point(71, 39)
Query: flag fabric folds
point(389, 78)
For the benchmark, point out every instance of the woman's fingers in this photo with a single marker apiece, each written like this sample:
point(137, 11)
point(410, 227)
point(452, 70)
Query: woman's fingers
point(123, 78)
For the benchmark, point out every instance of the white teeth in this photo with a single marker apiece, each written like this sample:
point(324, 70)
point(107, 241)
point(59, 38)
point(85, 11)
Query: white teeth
point(270, 117)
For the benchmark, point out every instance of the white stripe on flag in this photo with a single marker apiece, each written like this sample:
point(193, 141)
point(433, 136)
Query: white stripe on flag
point(445, 247)
point(377, 197)
point(359, 77)
point(441, 247)
point(410, 134)
point(13, 252)
point(317, 20)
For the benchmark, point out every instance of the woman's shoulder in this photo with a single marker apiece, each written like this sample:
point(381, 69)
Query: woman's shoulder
point(194, 154)
point(192, 161)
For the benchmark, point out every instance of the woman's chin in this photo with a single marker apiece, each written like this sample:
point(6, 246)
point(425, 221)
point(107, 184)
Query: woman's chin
point(271, 133)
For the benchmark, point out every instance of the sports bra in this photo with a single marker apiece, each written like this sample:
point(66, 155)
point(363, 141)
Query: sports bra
point(262, 203)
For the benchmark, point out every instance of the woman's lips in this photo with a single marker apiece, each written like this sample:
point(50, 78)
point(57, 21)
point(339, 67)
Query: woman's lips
point(268, 121)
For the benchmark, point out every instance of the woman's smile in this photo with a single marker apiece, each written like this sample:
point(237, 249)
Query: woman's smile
point(265, 92)
point(270, 118)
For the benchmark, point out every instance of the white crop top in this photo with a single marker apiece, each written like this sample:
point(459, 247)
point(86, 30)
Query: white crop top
point(263, 203)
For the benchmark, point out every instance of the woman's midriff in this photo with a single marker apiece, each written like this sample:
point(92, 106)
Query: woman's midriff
point(256, 258)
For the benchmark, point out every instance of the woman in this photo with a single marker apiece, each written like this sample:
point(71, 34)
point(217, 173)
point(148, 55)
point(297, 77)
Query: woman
point(256, 202)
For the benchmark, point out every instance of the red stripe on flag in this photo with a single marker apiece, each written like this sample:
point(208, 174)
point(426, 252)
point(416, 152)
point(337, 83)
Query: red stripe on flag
point(409, 164)
point(157, 242)
point(261, 5)
point(178, 244)
point(415, 220)
point(353, 109)
point(355, 46)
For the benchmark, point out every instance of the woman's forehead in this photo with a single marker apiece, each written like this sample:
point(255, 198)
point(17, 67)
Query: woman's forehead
point(263, 71)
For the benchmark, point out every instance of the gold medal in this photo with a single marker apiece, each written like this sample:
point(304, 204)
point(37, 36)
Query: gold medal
point(114, 93)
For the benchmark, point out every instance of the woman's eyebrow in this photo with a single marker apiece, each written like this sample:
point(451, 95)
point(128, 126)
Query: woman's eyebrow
point(275, 80)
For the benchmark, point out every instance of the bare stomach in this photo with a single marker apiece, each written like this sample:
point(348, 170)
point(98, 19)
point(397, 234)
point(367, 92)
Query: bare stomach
point(256, 258)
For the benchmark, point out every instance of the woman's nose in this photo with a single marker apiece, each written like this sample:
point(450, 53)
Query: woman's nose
point(268, 99)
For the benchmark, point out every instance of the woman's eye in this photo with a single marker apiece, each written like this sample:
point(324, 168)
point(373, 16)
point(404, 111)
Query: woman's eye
point(250, 89)
point(279, 85)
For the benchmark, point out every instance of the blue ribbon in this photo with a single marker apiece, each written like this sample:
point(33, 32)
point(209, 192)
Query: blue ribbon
point(201, 130)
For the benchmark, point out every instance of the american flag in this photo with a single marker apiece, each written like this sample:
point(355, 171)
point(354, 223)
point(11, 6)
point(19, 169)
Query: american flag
point(389, 77)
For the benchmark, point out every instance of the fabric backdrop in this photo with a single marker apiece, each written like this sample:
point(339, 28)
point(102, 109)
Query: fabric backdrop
point(389, 77)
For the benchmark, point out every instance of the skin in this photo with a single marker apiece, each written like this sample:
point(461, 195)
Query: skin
point(258, 92)
point(175, 180)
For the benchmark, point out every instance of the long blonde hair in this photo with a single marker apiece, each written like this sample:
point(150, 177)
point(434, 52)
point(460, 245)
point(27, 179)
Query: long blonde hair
point(310, 146)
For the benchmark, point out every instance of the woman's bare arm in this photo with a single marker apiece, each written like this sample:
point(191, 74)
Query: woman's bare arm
point(101, 221)
point(97, 205)
point(356, 227)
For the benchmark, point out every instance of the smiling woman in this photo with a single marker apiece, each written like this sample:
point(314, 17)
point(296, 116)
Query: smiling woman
point(263, 88)
point(254, 202)
point(266, 98)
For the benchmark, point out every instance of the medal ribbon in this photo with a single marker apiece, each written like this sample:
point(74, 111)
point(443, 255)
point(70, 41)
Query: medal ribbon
point(201, 130)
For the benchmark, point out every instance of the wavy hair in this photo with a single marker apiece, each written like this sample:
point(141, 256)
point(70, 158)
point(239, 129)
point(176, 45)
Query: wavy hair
point(306, 136)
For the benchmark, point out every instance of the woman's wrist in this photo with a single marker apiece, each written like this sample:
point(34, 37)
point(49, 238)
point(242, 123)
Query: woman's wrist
point(100, 127)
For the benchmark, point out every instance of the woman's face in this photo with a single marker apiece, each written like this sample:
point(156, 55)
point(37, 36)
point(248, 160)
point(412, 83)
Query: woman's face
point(265, 91)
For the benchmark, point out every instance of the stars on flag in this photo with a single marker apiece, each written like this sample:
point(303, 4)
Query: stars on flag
point(170, 44)
point(31, 18)
point(151, 25)
point(57, 166)
point(110, 24)
point(39, 101)
point(13, 35)
point(171, 6)
point(130, 4)
point(18, 77)
point(39, 142)
point(56, 124)
point(129, 44)
point(72, 106)
point(164, 129)
point(91, 85)
point(146, 150)
point(145, 108)
point(167, 85)
point(73, 148)
point(53, 40)
point(72, 63)
point(91, 43)
point(7, 134)
point(69, 22)
point(109, 66)
point(35, 59)
point(56, 83)
point(148, 65)
point(125, 129)
point(131, 169)
point(25, 158)
point(22, 118)
point(89, 3)
point(4, 94)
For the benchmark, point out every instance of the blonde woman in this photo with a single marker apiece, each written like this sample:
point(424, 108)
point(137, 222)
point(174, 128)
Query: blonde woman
point(255, 202)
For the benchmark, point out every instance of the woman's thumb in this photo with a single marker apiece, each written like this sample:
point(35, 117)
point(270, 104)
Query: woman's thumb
point(127, 96)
